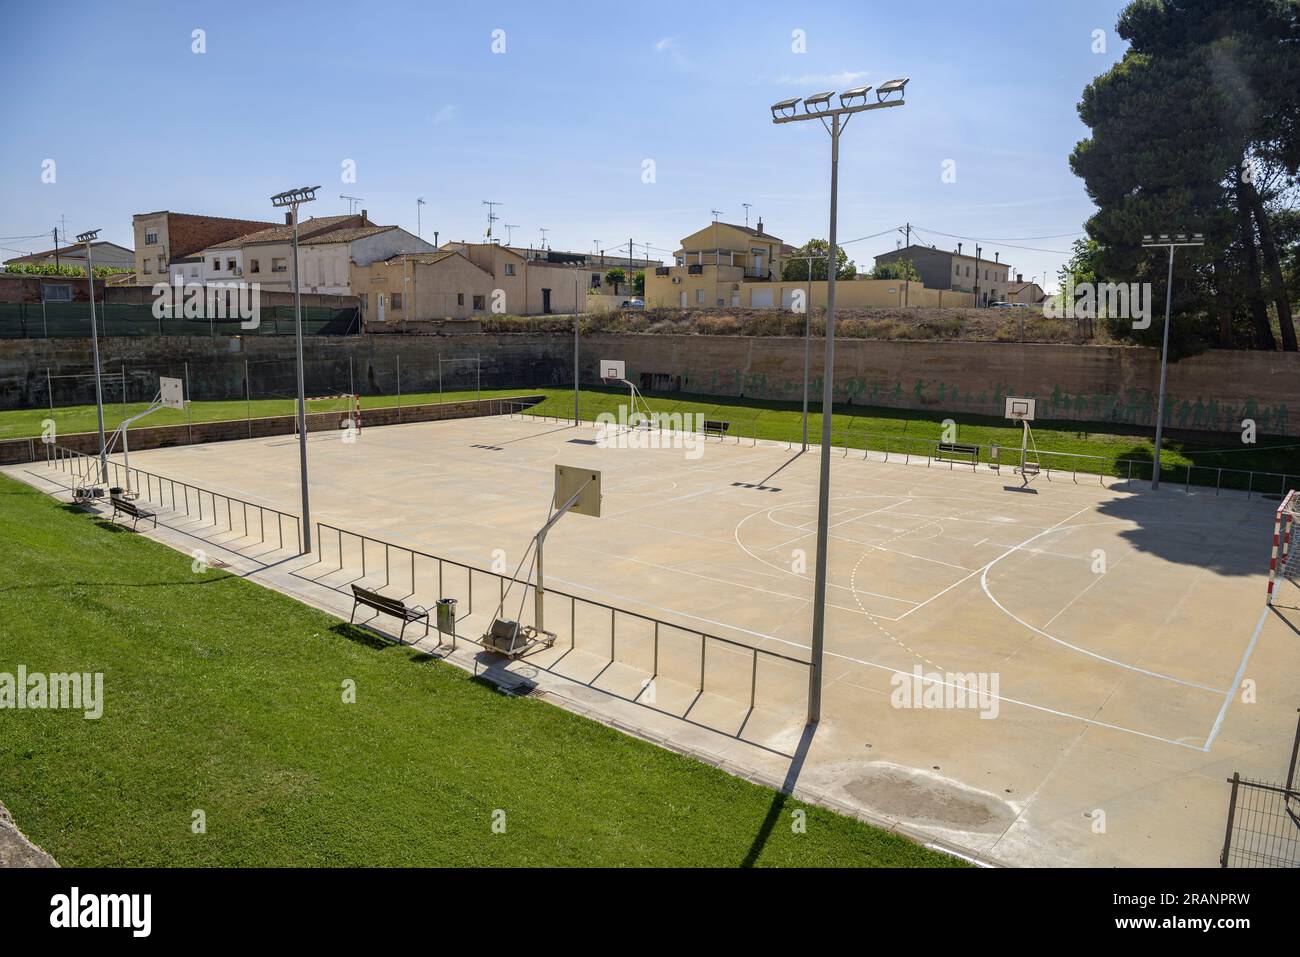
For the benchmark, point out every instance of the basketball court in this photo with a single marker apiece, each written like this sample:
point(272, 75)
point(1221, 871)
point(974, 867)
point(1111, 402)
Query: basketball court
point(1112, 632)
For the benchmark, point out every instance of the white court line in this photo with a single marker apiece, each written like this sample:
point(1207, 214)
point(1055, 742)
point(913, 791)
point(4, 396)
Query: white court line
point(984, 583)
point(871, 664)
point(1236, 681)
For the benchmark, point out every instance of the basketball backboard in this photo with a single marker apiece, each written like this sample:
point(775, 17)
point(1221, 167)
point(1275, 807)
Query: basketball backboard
point(172, 392)
point(612, 369)
point(1020, 410)
point(569, 481)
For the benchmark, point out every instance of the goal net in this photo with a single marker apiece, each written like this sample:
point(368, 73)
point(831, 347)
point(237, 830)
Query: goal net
point(1284, 565)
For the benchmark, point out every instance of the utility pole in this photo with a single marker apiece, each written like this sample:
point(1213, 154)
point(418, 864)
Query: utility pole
point(418, 203)
point(56, 251)
point(977, 275)
point(907, 285)
point(630, 268)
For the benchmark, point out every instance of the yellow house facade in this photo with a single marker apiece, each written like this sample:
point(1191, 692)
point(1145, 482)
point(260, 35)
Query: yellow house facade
point(724, 265)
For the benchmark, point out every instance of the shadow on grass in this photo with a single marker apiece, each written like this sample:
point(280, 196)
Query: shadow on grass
point(366, 637)
point(781, 797)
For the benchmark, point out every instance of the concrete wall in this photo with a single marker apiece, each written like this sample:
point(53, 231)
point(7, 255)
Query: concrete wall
point(1211, 392)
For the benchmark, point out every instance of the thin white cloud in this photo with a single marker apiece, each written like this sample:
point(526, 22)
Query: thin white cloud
point(669, 46)
point(841, 79)
point(666, 43)
point(445, 114)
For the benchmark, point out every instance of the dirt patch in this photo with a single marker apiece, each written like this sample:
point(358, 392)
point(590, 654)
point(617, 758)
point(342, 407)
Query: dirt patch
point(897, 323)
point(914, 796)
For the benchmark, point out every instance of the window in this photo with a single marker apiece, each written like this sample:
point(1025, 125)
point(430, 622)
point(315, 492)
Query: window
point(230, 264)
point(479, 303)
point(956, 270)
point(151, 239)
point(460, 299)
point(510, 269)
point(699, 295)
point(216, 265)
point(277, 264)
point(595, 280)
point(254, 266)
point(396, 300)
point(53, 293)
point(162, 265)
point(968, 270)
point(148, 268)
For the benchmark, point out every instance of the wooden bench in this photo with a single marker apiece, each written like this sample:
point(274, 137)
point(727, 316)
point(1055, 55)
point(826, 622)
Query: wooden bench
point(389, 606)
point(716, 427)
point(135, 512)
point(955, 449)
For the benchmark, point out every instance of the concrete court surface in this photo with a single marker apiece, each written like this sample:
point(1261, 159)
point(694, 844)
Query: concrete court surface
point(1116, 631)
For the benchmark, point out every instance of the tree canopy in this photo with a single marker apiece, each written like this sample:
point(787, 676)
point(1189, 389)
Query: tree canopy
point(795, 269)
point(1197, 129)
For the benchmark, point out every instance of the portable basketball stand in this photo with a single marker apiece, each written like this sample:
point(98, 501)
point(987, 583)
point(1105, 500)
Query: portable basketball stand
point(1022, 411)
point(171, 395)
point(579, 491)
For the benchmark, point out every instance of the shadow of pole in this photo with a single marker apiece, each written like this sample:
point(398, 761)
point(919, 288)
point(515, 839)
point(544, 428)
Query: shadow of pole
point(780, 797)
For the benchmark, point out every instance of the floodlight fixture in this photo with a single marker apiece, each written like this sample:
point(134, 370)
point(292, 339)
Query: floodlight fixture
point(857, 93)
point(892, 86)
point(88, 236)
point(786, 108)
point(292, 197)
point(818, 102)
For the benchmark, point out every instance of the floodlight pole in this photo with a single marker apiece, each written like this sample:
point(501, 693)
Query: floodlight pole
point(1173, 243)
point(94, 345)
point(576, 317)
point(292, 199)
point(815, 664)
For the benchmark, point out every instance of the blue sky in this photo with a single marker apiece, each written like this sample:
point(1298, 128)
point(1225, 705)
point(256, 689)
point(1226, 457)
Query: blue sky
point(556, 128)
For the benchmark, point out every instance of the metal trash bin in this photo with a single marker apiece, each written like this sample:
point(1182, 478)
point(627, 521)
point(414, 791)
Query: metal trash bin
point(445, 617)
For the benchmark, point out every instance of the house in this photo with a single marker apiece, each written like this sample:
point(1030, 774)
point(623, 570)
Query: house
point(410, 287)
point(987, 279)
point(326, 259)
point(164, 236)
point(1028, 292)
point(529, 286)
point(101, 254)
point(265, 256)
point(724, 265)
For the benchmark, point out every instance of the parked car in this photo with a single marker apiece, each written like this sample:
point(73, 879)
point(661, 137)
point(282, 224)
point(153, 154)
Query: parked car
point(633, 304)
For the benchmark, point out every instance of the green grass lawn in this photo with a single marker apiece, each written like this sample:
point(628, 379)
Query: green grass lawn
point(226, 697)
point(900, 431)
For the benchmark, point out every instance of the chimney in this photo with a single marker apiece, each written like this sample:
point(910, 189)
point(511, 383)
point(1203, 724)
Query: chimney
point(1020, 277)
point(995, 256)
point(365, 215)
point(959, 249)
point(288, 218)
point(760, 225)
